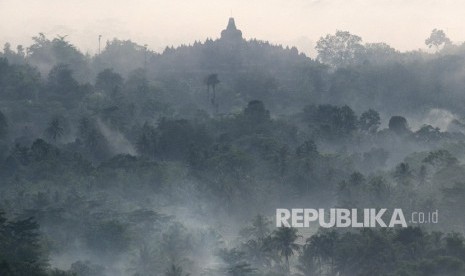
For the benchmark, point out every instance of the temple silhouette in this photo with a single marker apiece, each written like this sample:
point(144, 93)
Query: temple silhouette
point(231, 33)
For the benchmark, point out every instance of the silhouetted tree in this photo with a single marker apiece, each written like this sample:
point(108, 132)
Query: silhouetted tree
point(398, 124)
point(20, 249)
point(437, 38)
point(54, 129)
point(369, 121)
point(255, 113)
point(340, 49)
point(212, 81)
point(108, 81)
point(284, 240)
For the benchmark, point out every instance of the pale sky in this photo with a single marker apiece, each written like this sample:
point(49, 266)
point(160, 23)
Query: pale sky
point(404, 24)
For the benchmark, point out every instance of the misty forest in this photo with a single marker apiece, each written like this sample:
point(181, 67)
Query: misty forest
point(139, 163)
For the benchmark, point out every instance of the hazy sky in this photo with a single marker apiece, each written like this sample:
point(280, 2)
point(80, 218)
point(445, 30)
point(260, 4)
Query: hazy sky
point(404, 24)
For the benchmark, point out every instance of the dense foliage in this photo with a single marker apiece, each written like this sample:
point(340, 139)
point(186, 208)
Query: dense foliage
point(132, 162)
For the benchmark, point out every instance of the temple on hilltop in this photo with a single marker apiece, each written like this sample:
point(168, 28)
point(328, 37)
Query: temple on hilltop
point(231, 33)
point(231, 45)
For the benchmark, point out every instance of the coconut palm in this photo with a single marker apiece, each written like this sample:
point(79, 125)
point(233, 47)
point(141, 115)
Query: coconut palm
point(284, 240)
point(211, 81)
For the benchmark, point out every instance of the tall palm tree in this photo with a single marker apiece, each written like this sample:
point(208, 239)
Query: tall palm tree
point(323, 247)
point(211, 81)
point(284, 241)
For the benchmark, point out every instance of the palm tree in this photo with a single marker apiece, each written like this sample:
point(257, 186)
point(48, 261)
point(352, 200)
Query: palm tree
point(284, 241)
point(323, 248)
point(54, 129)
point(211, 81)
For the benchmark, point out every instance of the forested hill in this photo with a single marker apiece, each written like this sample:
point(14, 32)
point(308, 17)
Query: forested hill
point(358, 74)
point(131, 162)
point(127, 84)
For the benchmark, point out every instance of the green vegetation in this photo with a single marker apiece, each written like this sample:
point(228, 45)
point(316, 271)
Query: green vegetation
point(132, 162)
